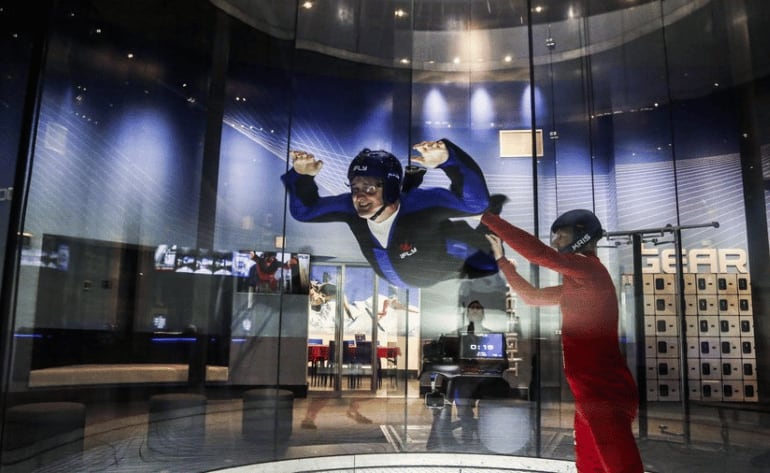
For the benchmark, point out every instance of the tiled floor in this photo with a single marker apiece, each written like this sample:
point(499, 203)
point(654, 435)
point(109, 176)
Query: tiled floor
point(385, 434)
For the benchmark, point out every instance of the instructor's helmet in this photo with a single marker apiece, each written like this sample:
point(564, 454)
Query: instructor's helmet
point(381, 165)
point(585, 228)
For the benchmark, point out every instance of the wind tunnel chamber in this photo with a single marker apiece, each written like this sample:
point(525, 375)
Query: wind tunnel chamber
point(151, 247)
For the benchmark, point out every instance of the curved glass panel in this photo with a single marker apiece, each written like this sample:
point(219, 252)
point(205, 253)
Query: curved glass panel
point(247, 232)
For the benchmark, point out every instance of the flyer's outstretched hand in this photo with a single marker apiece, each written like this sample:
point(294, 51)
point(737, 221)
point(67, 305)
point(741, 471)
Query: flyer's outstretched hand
point(305, 163)
point(434, 153)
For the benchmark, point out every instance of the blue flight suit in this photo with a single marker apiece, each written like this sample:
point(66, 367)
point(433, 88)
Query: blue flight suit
point(424, 246)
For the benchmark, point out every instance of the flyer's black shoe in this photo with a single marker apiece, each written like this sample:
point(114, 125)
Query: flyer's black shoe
point(496, 203)
point(412, 177)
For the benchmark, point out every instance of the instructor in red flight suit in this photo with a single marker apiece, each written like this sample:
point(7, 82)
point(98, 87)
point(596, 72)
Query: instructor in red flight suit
point(606, 398)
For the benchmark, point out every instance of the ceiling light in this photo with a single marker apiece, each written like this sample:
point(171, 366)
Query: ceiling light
point(400, 13)
point(307, 5)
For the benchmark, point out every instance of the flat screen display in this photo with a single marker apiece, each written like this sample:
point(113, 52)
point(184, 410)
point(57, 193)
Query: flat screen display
point(482, 346)
point(256, 271)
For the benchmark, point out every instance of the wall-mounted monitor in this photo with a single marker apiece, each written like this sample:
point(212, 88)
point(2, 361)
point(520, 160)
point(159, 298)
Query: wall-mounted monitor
point(482, 346)
point(256, 271)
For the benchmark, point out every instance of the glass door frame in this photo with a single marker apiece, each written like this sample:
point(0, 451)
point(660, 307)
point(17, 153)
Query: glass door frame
point(340, 270)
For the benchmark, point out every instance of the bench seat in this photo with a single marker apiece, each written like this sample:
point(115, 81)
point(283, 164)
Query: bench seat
point(128, 373)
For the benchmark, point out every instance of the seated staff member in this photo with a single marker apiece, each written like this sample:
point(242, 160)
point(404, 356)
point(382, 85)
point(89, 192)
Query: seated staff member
point(466, 391)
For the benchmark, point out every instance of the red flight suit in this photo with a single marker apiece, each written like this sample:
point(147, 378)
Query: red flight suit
point(606, 398)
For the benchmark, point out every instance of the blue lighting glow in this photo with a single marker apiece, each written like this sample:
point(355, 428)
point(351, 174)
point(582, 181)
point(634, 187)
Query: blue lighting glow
point(482, 108)
point(435, 109)
point(525, 108)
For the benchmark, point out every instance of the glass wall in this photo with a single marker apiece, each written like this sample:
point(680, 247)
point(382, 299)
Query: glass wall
point(169, 246)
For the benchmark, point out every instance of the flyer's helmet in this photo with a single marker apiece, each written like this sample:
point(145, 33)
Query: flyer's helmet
point(381, 165)
point(585, 228)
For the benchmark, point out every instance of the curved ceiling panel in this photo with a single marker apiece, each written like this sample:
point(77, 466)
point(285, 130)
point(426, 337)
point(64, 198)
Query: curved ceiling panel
point(460, 35)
